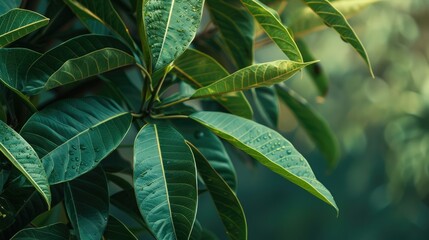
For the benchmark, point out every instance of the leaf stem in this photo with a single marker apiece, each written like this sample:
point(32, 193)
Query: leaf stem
point(156, 91)
point(173, 103)
point(161, 116)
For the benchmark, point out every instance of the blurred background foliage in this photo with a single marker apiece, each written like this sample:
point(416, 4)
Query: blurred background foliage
point(382, 181)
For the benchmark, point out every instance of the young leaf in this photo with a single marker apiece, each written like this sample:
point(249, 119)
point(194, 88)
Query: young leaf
point(74, 60)
point(57, 231)
point(226, 201)
point(86, 200)
point(171, 26)
point(8, 5)
point(258, 75)
point(237, 28)
point(314, 124)
point(336, 20)
point(73, 136)
point(274, 28)
point(115, 229)
point(11, 29)
point(202, 70)
point(165, 181)
point(25, 159)
point(268, 147)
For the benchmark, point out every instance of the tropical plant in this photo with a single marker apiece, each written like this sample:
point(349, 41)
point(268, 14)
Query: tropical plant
point(114, 114)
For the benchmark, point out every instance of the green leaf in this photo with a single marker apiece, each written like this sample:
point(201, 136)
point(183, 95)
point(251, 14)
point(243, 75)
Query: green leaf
point(236, 26)
point(8, 5)
point(196, 231)
point(258, 75)
point(313, 123)
point(117, 230)
point(336, 20)
point(274, 28)
point(226, 201)
point(266, 104)
point(76, 59)
point(268, 147)
point(164, 167)
point(57, 231)
point(171, 27)
point(12, 29)
point(202, 70)
point(73, 136)
point(103, 13)
point(25, 159)
point(86, 200)
point(126, 202)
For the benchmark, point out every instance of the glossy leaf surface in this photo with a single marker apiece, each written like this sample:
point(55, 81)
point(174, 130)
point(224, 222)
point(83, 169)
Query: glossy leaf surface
point(57, 231)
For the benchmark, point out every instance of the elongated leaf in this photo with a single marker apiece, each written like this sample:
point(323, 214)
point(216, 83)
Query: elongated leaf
point(236, 26)
point(258, 75)
point(86, 200)
point(165, 181)
point(17, 23)
point(8, 5)
point(266, 104)
point(226, 201)
point(171, 25)
point(25, 159)
point(94, 13)
point(314, 124)
point(57, 231)
point(274, 28)
point(73, 136)
point(126, 202)
point(336, 20)
point(117, 230)
point(196, 231)
point(74, 60)
point(268, 147)
point(202, 70)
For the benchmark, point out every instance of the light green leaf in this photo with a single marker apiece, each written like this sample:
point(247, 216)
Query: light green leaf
point(258, 75)
point(25, 159)
point(117, 230)
point(274, 28)
point(164, 167)
point(236, 26)
point(76, 59)
point(336, 20)
point(86, 200)
point(314, 124)
point(8, 5)
point(57, 231)
point(171, 26)
point(268, 147)
point(226, 201)
point(201, 70)
point(17, 23)
point(73, 136)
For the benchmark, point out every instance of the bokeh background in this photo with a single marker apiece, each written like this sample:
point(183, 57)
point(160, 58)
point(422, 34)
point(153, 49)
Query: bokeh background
point(382, 181)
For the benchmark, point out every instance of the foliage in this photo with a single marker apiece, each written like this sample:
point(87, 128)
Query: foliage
point(82, 79)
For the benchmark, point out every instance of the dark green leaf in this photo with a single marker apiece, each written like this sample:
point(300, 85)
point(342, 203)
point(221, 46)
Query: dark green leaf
point(196, 233)
point(58, 231)
point(265, 102)
point(116, 230)
point(164, 167)
point(8, 5)
point(126, 202)
point(73, 136)
point(268, 147)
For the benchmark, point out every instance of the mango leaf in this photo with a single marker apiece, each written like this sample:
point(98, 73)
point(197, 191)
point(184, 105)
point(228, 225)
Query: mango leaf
point(164, 167)
point(226, 201)
point(12, 29)
point(126, 202)
point(268, 147)
point(274, 28)
point(171, 26)
point(95, 14)
point(8, 5)
point(73, 136)
point(57, 231)
point(115, 229)
point(86, 200)
point(196, 233)
point(74, 60)
point(237, 28)
point(336, 20)
point(25, 159)
point(258, 75)
point(201, 70)
point(313, 123)
point(266, 104)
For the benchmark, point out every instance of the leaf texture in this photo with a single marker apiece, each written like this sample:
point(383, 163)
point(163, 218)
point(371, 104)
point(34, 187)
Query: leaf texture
point(57, 231)
point(8, 5)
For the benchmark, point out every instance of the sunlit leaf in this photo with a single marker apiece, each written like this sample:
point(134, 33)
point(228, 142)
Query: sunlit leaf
point(57, 231)
point(268, 147)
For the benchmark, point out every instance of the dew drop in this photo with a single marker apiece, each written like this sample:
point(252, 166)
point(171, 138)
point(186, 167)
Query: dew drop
point(199, 134)
point(82, 147)
point(71, 152)
point(289, 152)
point(74, 147)
point(96, 149)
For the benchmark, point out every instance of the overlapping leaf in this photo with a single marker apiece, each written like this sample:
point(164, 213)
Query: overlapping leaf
point(25, 159)
point(115, 229)
point(8, 5)
point(266, 104)
point(258, 75)
point(268, 147)
point(165, 181)
point(73, 136)
point(74, 60)
point(17, 23)
point(57, 231)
